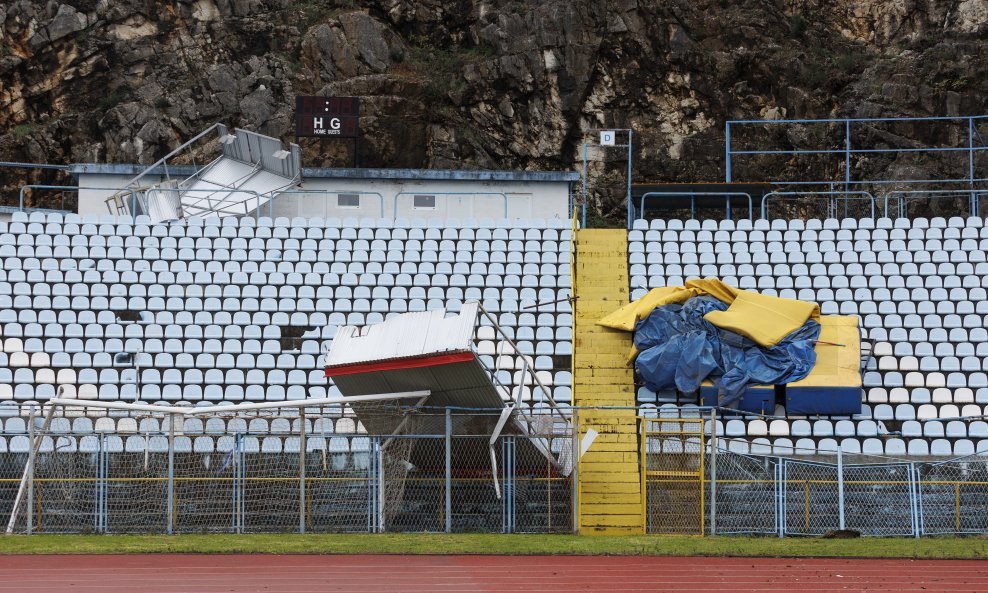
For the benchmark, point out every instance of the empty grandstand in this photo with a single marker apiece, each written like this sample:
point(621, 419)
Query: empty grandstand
point(225, 322)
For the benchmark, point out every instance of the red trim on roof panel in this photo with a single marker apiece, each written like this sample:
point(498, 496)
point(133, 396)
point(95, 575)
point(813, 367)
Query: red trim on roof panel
point(399, 364)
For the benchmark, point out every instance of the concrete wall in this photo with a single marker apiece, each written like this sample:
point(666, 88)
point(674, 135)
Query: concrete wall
point(94, 189)
point(460, 199)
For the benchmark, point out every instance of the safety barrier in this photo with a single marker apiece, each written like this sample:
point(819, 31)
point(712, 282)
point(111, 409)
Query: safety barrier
point(65, 189)
point(833, 201)
point(693, 195)
point(901, 200)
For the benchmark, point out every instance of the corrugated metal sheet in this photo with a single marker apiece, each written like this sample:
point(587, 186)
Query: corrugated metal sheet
point(404, 336)
point(228, 187)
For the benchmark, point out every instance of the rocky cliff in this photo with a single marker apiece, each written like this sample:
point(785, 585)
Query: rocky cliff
point(480, 83)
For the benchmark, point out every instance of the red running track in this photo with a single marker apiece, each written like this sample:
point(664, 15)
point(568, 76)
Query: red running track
point(176, 573)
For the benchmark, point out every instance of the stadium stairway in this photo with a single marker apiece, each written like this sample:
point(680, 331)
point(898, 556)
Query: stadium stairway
point(609, 482)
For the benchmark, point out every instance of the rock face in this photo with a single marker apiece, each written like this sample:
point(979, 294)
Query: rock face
point(484, 83)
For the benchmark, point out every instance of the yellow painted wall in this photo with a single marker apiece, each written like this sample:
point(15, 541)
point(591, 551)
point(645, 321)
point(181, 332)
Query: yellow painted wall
point(609, 478)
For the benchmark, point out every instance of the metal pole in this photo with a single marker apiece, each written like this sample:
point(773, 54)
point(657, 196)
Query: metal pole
point(847, 159)
point(171, 474)
point(973, 211)
point(840, 486)
point(727, 152)
point(713, 471)
point(630, 208)
point(449, 470)
point(584, 215)
point(575, 472)
point(380, 490)
point(301, 471)
point(237, 481)
point(917, 495)
point(30, 472)
point(101, 481)
point(783, 490)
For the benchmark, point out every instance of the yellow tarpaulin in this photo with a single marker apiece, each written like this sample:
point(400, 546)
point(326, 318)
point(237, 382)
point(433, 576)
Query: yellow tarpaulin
point(627, 316)
point(764, 319)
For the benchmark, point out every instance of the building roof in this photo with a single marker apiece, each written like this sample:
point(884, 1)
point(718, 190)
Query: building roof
point(328, 173)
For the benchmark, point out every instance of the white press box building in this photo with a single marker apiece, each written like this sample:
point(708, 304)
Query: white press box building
point(255, 175)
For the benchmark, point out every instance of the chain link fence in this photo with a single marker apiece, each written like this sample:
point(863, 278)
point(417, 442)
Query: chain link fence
point(784, 496)
point(320, 470)
point(813, 493)
point(312, 471)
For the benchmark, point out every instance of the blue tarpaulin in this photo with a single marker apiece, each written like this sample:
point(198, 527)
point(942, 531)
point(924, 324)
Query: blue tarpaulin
point(679, 349)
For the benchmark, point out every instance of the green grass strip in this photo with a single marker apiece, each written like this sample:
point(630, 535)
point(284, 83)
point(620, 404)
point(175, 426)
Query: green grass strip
point(952, 547)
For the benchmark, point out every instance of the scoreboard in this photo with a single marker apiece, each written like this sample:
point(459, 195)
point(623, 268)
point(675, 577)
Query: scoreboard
point(336, 117)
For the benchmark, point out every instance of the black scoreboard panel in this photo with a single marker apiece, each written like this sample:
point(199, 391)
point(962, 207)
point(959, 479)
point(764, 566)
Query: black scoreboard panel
point(336, 117)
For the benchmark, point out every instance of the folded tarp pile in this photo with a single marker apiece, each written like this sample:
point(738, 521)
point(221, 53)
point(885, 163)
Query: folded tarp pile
point(706, 329)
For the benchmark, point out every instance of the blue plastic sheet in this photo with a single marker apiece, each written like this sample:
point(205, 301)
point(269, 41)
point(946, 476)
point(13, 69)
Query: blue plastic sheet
point(678, 349)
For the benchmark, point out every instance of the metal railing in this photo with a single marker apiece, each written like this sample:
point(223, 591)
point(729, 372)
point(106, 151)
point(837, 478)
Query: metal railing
point(833, 201)
point(901, 199)
point(968, 126)
point(693, 195)
point(305, 197)
point(66, 189)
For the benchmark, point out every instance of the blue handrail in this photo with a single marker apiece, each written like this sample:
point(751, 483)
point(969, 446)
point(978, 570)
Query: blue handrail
point(932, 194)
point(848, 150)
point(692, 195)
point(830, 195)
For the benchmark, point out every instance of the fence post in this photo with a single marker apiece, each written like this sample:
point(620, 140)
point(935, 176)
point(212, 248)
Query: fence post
point(301, 471)
point(781, 491)
point(727, 152)
point(100, 482)
point(915, 502)
point(381, 495)
point(30, 472)
point(171, 475)
point(575, 471)
point(449, 471)
point(840, 487)
point(713, 471)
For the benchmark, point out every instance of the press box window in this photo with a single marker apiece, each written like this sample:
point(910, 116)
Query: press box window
point(424, 202)
point(348, 200)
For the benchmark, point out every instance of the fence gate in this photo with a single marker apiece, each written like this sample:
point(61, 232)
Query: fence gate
point(874, 499)
point(672, 466)
point(811, 499)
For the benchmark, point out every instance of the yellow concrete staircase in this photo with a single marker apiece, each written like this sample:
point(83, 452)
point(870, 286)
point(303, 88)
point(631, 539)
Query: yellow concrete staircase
point(610, 500)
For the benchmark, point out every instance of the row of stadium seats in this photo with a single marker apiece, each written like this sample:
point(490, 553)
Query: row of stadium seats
point(351, 224)
point(360, 447)
point(247, 316)
point(919, 289)
point(108, 424)
point(811, 224)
